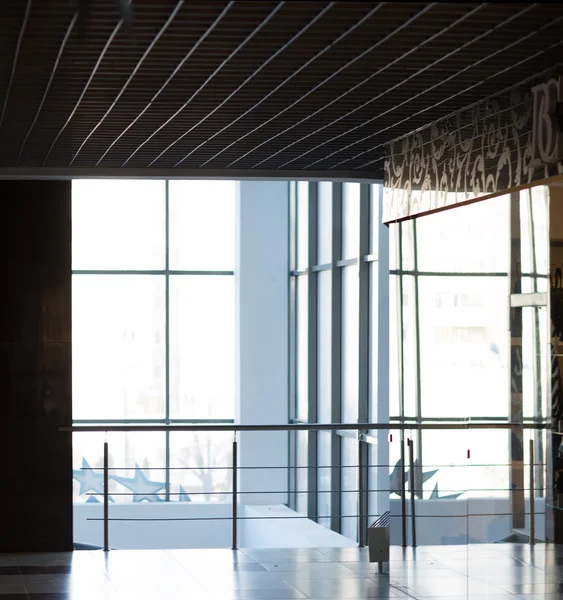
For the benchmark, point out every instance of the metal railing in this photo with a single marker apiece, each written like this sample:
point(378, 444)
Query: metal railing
point(363, 437)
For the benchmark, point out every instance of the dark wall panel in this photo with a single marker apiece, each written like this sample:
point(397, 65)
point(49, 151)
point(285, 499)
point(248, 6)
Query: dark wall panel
point(35, 366)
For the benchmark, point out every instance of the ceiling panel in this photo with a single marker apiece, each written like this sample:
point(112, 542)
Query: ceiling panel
point(253, 86)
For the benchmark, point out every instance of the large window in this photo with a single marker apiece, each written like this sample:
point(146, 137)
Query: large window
point(153, 333)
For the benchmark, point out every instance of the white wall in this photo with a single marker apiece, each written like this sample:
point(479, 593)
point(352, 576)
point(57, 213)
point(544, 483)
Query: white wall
point(262, 308)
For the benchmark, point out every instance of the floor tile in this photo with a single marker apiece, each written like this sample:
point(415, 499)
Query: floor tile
point(484, 572)
point(12, 591)
point(45, 570)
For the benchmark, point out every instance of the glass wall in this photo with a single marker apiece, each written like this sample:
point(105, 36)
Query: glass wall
point(468, 343)
point(153, 334)
point(460, 335)
point(335, 338)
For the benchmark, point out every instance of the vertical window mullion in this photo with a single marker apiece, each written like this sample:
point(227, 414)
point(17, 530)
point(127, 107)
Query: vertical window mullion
point(363, 351)
point(336, 358)
point(292, 408)
point(167, 334)
point(312, 384)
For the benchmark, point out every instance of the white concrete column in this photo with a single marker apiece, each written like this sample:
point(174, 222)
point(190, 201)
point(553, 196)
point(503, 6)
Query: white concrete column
point(262, 329)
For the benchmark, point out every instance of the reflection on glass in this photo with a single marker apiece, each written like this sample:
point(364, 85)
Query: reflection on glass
point(118, 346)
point(118, 224)
point(325, 223)
point(202, 225)
point(350, 220)
point(200, 466)
point(302, 224)
point(466, 239)
point(464, 362)
point(202, 347)
point(350, 344)
point(302, 334)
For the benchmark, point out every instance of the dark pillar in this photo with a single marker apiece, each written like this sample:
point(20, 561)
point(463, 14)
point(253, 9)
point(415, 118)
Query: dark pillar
point(35, 366)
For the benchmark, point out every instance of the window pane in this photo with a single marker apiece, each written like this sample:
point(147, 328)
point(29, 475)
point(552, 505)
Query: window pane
point(118, 346)
point(349, 494)
point(302, 333)
point(201, 466)
point(375, 219)
point(406, 245)
point(136, 466)
point(534, 231)
point(202, 347)
point(350, 344)
point(394, 257)
point(325, 223)
point(302, 224)
point(395, 347)
point(302, 481)
point(324, 497)
point(202, 225)
point(409, 346)
point(324, 347)
point(350, 220)
point(463, 330)
point(118, 224)
point(374, 399)
point(459, 229)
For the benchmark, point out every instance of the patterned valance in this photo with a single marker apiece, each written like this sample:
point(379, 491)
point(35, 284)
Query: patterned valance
point(477, 152)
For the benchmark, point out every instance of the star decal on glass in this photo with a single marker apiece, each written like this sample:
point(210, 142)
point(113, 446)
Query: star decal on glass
point(142, 488)
point(183, 495)
point(92, 482)
point(89, 480)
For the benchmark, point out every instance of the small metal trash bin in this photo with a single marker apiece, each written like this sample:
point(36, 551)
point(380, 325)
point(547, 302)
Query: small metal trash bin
point(378, 540)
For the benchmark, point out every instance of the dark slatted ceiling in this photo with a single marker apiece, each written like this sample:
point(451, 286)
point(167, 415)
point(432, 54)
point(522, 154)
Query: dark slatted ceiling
point(263, 86)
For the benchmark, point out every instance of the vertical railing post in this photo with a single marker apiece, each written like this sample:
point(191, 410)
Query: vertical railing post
point(412, 485)
point(235, 491)
point(532, 497)
point(106, 496)
point(403, 494)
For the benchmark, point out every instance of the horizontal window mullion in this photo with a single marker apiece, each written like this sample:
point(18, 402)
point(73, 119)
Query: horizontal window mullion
point(149, 422)
point(147, 272)
point(347, 262)
point(445, 273)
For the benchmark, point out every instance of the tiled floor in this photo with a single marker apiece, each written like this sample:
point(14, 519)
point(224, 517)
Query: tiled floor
point(494, 572)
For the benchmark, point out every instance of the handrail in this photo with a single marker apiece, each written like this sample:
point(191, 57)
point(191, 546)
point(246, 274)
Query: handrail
point(362, 438)
point(309, 427)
